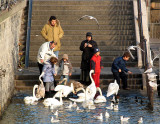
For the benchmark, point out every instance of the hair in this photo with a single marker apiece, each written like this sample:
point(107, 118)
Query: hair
point(53, 42)
point(52, 18)
point(53, 60)
point(126, 54)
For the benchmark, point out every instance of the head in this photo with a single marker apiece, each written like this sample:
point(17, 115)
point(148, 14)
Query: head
point(89, 36)
point(126, 56)
point(97, 51)
point(65, 57)
point(53, 60)
point(52, 44)
point(52, 20)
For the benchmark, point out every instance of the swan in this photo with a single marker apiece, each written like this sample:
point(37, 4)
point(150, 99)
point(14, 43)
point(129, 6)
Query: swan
point(100, 98)
point(53, 120)
point(65, 90)
point(107, 115)
point(140, 121)
point(124, 119)
point(41, 88)
point(113, 88)
point(53, 102)
point(81, 96)
point(92, 87)
point(31, 99)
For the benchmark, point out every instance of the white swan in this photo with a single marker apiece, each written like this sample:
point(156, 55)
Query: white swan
point(111, 106)
point(92, 87)
point(100, 117)
point(107, 115)
point(65, 90)
point(113, 88)
point(100, 98)
point(31, 99)
point(53, 102)
point(124, 119)
point(41, 88)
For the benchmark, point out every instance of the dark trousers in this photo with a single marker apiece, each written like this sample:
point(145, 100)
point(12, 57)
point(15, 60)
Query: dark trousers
point(84, 77)
point(123, 76)
point(40, 66)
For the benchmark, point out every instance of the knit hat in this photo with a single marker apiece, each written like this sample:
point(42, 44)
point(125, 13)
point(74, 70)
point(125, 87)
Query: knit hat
point(96, 50)
point(88, 34)
point(65, 56)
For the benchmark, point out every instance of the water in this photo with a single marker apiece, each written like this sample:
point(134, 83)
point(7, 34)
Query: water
point(129, 106)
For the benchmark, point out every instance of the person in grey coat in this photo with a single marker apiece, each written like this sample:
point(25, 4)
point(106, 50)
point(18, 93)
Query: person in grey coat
point(48, 76)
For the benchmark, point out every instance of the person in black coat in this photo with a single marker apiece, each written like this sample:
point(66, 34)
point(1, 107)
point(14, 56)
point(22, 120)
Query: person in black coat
point(87, 46)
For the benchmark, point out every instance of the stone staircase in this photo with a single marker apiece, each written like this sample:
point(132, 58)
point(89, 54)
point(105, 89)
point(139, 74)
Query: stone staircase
point(116, 33)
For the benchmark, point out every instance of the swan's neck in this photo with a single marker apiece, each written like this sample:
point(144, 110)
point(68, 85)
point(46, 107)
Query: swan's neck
point(92, 81)
point(99, 89)
point(61, 101)
point(34, 88)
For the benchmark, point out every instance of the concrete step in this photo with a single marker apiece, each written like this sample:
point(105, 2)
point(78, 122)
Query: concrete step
point(107, 7)
point(88, 27)
point(82, 12)
point(35, 38)
point(76, 17)
point(82, 2)
point(97, 32)
point(78, 42)
point(87, 22)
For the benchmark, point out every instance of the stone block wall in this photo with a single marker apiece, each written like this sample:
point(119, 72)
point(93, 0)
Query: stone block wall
point(9, 38)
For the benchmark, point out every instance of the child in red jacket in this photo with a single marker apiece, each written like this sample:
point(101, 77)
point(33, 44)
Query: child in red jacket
point(96, 65)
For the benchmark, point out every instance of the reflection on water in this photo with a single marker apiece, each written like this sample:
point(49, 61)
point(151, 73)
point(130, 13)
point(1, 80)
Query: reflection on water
point(130, 105)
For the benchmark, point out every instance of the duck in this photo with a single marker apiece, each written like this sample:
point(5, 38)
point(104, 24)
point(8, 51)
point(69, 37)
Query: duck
point(124, 119)
point(100, 98)
point(113, 88)
point(41, 88)
point(31, 99)
point(53, 102)
point(66, 90)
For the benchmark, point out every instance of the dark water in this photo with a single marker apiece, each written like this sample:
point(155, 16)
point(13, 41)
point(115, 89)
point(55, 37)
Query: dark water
point(130, 105)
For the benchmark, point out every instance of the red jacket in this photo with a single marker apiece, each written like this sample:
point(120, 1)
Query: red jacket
point(96, 63)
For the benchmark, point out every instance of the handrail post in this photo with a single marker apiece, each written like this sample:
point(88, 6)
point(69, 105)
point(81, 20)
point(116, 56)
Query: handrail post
point(28, 34)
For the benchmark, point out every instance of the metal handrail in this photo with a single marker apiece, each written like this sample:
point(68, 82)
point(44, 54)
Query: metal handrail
point(28, 34)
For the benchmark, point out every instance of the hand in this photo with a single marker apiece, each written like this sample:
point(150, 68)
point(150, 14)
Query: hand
point(85, 45)
point(102, 67)
point(129, 72)
point(120, 70)
point(89, 45)
point(70, 74)
point(42, 61)
point(55, 74)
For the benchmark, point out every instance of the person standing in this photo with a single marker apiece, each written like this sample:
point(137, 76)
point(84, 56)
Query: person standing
point(87, 47)
point(44, 53)
point(96, 65)
point(53, 32)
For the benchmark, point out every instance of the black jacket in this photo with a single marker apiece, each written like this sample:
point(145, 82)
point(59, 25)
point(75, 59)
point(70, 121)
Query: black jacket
point(87, 53)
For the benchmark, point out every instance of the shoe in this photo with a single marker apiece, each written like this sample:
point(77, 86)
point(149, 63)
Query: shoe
point(127, 88)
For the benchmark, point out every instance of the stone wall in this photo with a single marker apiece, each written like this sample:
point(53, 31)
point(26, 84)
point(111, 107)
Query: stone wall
point(9, 38)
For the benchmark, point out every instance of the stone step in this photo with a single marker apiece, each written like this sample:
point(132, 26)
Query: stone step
point(78, 64)
point(82, 12)
point(82, 2)
point(76, 17)
point(107, 7)
point(86, 22)
point(88, 27)
point(35, 38)
point(99, 42)
point(97, 32)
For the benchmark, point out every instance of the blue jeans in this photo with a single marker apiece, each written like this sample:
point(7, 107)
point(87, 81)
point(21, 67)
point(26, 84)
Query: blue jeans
point(65, 76)
point(56, 53)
